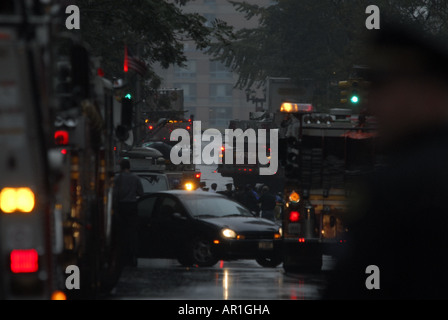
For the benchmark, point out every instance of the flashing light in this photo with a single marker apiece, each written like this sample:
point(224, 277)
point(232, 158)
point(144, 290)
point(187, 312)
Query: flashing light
point(24, 261)
point(294, 197)
point(294, 216)
point(216, 241)
point(188, 127)
point(58, 295)
point(288, 107)
point(17, 199)
point(188, 186)
point(61, 137)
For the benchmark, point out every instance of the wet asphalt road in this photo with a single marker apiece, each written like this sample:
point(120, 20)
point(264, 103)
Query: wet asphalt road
point(228, 280)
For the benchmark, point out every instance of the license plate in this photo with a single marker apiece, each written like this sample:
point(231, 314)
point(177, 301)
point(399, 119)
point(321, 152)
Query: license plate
point(265, 245)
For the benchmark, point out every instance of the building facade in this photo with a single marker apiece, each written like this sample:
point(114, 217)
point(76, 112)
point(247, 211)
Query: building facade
point(208, 86)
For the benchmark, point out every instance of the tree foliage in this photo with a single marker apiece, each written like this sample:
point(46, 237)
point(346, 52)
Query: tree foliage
point(319, 40)
point(154, 28)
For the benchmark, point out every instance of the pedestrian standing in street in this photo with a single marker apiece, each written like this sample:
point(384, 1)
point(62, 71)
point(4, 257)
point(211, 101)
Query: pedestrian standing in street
point(267, 204)
point(228, 192)
point(128, 188)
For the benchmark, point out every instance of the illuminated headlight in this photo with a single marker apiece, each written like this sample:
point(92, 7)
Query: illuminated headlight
point(280, 231)
point(228, 233)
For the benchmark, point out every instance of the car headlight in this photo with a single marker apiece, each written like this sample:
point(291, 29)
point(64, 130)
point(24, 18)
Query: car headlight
point(280, 231)
point(228, 233)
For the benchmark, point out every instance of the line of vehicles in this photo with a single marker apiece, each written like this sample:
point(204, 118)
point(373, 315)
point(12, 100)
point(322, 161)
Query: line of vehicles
point(59, 159)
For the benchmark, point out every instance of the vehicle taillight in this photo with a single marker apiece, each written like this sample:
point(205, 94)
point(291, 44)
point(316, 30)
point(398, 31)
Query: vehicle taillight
point(197, 175)
point(294, 216)
point(24, 261)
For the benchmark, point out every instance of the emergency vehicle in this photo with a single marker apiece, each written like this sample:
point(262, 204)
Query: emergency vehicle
point(157, 136)
point(246, 173)
point(324, 155)
point(56, 136)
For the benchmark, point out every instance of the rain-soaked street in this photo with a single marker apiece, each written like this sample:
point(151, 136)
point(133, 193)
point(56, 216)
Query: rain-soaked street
point(238, 280)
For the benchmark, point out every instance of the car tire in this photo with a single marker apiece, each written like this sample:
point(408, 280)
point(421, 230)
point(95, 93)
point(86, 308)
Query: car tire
point(269, 262)
point(199, 252)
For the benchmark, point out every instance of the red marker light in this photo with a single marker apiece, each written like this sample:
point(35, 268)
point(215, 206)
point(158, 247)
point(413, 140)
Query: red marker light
point(150, 127)
point(64, 151)
point(294, 216)
point(197, 175)
point(188, 127)
point(24, 261)
point(61, 137)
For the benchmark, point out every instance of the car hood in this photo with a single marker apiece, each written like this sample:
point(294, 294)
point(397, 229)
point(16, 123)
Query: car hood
point(243, 224)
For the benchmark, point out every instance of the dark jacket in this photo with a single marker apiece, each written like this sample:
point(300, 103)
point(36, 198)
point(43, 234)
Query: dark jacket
point(401, 226)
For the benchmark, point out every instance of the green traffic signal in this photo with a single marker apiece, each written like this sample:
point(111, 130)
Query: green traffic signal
point(354, 99)
point(128, 96)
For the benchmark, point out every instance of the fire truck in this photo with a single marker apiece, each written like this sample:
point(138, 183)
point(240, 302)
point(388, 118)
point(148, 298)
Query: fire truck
point(249, 173)
point(157, 136)
point(56, 182)
point(324, 155)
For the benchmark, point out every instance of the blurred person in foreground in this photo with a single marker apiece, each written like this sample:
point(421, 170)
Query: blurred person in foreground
point(400, 222)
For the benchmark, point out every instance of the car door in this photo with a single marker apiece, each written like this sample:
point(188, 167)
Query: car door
point(146, 238)
point(172, 223)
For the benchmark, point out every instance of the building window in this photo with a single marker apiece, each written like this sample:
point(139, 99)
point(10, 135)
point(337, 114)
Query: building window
point(188, 71)
point(189, 91)
point(220, 116)
point(221, 92)
point(219, 71)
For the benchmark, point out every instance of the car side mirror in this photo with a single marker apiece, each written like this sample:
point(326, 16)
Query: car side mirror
point(178, 216)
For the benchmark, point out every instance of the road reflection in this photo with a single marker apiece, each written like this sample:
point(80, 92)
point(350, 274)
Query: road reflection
point(227, 280)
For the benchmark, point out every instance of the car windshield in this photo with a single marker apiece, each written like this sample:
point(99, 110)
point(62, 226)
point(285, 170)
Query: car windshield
point(211, 207)
point(153, 183)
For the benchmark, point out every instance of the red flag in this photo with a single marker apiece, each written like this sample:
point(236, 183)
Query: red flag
point(125, 66)
point(134, 63)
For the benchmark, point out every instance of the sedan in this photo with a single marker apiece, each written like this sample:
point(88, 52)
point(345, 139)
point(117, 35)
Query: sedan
point(200, 228)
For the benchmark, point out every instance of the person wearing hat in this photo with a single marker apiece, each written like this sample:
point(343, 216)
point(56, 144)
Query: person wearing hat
point(398, 239)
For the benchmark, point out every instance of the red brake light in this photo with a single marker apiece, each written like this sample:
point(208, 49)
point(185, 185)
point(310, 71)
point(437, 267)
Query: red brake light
point(24, 261)
point(61, 137)
point(294, 216)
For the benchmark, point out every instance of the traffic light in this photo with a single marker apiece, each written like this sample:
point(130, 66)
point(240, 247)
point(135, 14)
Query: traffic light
point(127, 106)
point(353, 92)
